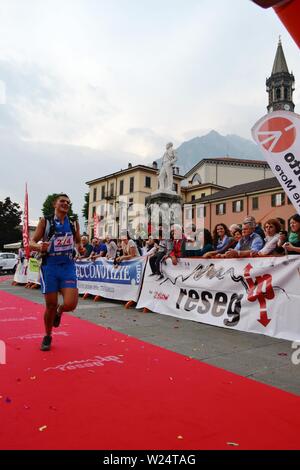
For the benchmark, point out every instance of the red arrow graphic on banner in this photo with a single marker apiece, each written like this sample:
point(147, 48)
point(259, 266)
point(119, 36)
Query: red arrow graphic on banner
point(255, 292)
point(277, 134)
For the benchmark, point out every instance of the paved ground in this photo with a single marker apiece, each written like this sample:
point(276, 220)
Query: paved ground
point(258, 357)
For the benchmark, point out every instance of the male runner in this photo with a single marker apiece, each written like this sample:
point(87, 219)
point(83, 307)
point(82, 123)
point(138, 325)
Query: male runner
point(58, 272)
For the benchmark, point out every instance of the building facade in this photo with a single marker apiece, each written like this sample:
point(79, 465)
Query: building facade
point(262, 199)
point(226, 171)
point(122, 194)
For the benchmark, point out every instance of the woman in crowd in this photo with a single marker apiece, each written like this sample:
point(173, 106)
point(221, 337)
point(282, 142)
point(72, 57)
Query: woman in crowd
point(272, 229)
point(129, 248)
point(294, 248)
point(222, 240)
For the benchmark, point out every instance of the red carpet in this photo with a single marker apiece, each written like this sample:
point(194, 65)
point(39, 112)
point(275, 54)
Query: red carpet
point(98, 389)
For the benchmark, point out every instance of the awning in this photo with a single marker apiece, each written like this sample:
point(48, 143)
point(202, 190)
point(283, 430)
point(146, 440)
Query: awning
point(12, 246)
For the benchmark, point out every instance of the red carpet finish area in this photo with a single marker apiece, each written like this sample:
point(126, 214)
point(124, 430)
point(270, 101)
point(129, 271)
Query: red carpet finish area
point(99, 389)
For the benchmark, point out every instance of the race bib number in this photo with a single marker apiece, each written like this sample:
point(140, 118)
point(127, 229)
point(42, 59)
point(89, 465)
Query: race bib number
point(63, 243)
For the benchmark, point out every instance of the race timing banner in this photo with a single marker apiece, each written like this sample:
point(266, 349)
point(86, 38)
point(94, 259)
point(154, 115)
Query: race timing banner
point(258, 295)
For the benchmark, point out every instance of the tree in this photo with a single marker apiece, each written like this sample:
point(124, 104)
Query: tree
point(10, 219)
point(85, 209)
point(48, 208)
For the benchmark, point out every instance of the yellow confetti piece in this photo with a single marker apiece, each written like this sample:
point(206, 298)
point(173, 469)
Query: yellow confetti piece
point(179, 437)
point(232, 444)
point(42, 428)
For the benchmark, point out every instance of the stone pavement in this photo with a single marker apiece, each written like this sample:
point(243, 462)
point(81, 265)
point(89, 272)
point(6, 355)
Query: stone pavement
point(255, 356)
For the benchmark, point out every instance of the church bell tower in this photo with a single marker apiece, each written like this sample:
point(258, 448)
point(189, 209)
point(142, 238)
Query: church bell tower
point(280, 85)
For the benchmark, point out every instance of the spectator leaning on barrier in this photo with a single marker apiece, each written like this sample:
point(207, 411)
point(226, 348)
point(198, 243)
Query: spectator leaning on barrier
point(272, 229)
point(250, 243)
point(178, 248)
point(257, 228)
point(99, 249)
point(87, 248)
point(129, 248)
point(111, 247)
point(294, 248)
point(221, 239)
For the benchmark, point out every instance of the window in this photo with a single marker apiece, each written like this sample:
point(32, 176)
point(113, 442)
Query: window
point(95, 194)
point(255, 203)
point(147, 181)
point(121, 187)
point(201, 211)
point(130, 204)
point(102, 192)
point(278, 93)
point(93, 211)
point(277, 199)
point(175, 187)
point(112, 187)
point(203, 194)
point(238, 206)
point(193, 197)
point(188, 212)
point(111, 209)
point(131, 184)
point(221, 208)
point(286, 93)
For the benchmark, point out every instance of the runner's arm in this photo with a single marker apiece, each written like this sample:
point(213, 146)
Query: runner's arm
point(37, 236)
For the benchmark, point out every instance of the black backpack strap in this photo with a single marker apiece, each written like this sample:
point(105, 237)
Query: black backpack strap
point(49, 228)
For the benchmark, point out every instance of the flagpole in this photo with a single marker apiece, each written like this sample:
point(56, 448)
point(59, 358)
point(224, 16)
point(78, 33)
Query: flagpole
point(26, 226)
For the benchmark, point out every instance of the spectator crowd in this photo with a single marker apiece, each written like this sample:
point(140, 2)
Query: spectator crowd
point(248, 239)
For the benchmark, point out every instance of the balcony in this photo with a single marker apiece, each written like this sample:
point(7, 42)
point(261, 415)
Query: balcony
point(108, 196)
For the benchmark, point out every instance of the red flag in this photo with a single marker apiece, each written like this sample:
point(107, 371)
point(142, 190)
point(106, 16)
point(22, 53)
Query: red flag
point(96, 222)
point(26, 226)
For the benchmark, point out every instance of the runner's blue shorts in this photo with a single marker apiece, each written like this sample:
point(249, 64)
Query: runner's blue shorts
point(58, 276)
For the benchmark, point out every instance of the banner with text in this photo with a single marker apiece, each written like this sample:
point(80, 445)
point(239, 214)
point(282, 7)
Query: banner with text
point(278, 136)
point(102, 278)
point(259, 295)
point(28, 271)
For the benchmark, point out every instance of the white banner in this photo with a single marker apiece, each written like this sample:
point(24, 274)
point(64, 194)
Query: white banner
point(259, 295)
point(28, 271)
point(21, 272)
point(102, 278)
point(278, 136)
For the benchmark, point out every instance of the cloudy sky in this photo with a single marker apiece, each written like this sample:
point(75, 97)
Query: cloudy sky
point(88, 85)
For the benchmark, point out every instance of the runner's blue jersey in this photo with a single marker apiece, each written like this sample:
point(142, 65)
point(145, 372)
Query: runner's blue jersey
point(62, 243)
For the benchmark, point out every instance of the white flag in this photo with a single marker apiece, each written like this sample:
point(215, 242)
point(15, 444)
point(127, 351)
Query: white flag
point(278, 136)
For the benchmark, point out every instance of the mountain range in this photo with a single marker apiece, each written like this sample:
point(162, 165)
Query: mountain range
point(212, 145)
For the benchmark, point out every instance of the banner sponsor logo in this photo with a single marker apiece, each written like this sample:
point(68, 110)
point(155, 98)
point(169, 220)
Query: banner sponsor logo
point(257, 295)
point(96, 361)
point(278, 136)
point(103, 271)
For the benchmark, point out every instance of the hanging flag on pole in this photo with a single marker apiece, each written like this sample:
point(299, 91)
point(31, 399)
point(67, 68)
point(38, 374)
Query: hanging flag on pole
point(278, 137)
point(96, 225)
point(26, 226)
